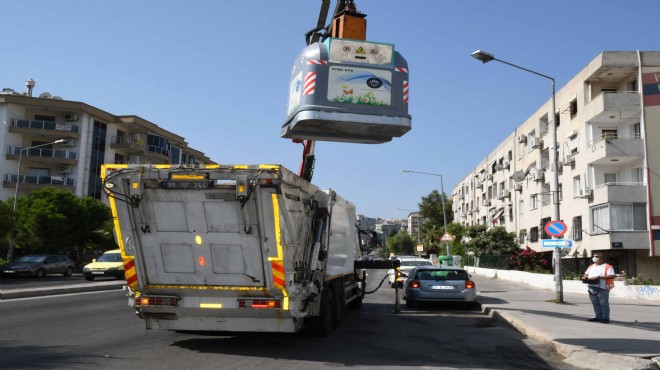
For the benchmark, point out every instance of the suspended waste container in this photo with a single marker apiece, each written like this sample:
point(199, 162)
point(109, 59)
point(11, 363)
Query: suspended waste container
point(348, 91)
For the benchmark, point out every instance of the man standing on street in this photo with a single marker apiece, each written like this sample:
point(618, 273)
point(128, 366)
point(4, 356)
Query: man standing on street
point(602, 277)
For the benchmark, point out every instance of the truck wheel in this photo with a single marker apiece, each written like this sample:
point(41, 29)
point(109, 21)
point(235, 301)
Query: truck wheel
point(322, 325)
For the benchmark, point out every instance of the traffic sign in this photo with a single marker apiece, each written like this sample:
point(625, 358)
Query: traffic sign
point(556, 243)
point(448, 238)
point(556, 228)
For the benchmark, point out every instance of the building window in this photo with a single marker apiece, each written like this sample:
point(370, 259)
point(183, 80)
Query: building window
point(533, 202)
point(97, 158)
point(521, 236)
point(543, 125)
point(175, 154)
point(534, 234)
point(610, 178)
point(618, 217)
point(521, 207)
point(577, 228)
point(544, 221)
point(158, 144)
point(119, 159)
point(573, 108)
point(576, 186)
point(39, 117)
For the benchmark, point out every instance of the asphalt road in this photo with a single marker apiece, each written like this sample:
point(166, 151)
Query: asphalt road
point(98, 330)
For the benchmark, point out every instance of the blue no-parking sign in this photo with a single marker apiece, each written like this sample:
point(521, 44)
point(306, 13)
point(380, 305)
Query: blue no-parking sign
point(556, 228)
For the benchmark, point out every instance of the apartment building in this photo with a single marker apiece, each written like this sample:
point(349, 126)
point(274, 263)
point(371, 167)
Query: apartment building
point(52, 142)
point(608, 125)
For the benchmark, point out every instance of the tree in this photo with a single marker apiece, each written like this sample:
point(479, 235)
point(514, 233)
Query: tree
point(56, 221)
point(401, 243)
point(494, 241)
point(6, 225)
point(431, 209)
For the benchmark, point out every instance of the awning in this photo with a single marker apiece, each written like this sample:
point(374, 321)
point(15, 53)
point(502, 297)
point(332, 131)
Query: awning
point(497, 215)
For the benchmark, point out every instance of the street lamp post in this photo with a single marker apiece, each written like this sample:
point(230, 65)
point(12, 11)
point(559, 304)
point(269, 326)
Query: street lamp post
point(10, 251)
point(485, 57)
point(442, 200)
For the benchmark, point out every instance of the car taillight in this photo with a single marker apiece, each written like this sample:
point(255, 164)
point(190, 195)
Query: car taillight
point(469, 284)
point(155, 301)
point(413, 284)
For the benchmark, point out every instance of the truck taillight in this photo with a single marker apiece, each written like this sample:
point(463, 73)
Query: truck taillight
point(156, 301)
point(260, 303)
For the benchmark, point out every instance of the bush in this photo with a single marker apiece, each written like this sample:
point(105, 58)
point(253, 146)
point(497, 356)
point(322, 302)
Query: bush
point(528, 260)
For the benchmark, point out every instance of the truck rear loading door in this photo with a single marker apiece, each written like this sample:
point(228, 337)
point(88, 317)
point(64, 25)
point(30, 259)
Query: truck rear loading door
point(199, 238)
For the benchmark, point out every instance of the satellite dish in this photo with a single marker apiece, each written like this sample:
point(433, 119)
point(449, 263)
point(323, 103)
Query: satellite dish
point(45, 95)
point(519, 176)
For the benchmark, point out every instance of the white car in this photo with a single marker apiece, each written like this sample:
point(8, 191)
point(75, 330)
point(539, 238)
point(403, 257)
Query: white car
point(397, 276)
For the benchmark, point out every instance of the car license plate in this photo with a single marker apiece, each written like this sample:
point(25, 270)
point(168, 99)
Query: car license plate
point(97, 272)
point(442, 287)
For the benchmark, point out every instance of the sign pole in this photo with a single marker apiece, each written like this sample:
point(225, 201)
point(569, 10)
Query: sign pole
point(556, 229)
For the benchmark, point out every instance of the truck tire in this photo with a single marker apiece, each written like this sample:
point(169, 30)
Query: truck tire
point(322, 325)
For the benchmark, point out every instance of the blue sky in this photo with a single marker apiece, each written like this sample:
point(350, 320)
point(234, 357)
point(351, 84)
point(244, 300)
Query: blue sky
point(217, 73)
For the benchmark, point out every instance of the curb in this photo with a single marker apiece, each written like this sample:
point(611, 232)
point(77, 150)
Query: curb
point(575, 355)
point(41, 292)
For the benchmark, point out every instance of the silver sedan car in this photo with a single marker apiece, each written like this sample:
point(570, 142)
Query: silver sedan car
point(439, 284)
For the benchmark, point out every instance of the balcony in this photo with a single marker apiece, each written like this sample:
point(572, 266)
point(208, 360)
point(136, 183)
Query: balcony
point(615, 149)
point(613, 107)
point(43, 155)
point(620, 192)
point(628, 239)
point(38, 182)
point(48, 129)
point(129, 144)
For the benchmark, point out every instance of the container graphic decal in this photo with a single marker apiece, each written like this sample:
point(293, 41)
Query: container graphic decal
point(294, 93)
point(360, 86)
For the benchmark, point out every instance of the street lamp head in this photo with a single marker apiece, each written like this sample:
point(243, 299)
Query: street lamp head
point(60, 141)
point(483, 56)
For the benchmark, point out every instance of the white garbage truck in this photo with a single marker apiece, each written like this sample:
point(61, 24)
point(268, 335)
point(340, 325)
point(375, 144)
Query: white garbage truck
point(236, 248)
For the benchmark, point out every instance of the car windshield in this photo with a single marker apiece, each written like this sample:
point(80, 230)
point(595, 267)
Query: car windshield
point(110, 257)
point(442, 275)
point(416, 263)
point(31, 259)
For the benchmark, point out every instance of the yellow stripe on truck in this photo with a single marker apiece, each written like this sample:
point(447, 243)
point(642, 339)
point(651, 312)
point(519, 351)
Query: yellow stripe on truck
point(277, 263)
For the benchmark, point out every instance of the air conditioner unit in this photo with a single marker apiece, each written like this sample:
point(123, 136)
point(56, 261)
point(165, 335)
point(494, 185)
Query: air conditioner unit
point(522, 138)
point(586, 193)
point(568, 160)
point(69, 143)
point(65, 169)
point(538, 142)
point(506, 193)
point(499, 167)
point(490, 176)
point(71, 117)
point(506, 164)
point(538, 176)
point(518, 187)
point(486, 203)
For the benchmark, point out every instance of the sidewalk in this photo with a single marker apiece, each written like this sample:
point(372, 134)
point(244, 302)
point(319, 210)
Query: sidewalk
point(630, 341)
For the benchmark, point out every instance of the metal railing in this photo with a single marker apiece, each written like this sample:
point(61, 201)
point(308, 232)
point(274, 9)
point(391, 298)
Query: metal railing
point(127, 140)
point(40, 180)
point(616, 136)
point(620, 184)
point(44, 125)
point(42, 152)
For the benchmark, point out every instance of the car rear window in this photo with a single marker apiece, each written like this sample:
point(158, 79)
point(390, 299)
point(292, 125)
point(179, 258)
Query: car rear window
point(110, 257)
point(442, 275)
point(416, 263)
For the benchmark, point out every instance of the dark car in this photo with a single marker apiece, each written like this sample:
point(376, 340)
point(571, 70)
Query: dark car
point(39, 265)
point(439, 284)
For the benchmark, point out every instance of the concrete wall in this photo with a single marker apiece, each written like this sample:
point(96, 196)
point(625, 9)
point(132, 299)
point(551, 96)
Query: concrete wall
point(647, 267)
point(546, 281)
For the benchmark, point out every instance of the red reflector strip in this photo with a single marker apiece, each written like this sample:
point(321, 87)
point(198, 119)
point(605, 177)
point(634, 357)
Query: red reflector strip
point(156, 301)
point(260, 303)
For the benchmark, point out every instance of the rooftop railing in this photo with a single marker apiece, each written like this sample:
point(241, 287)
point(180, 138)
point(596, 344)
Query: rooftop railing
point(44, 125)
